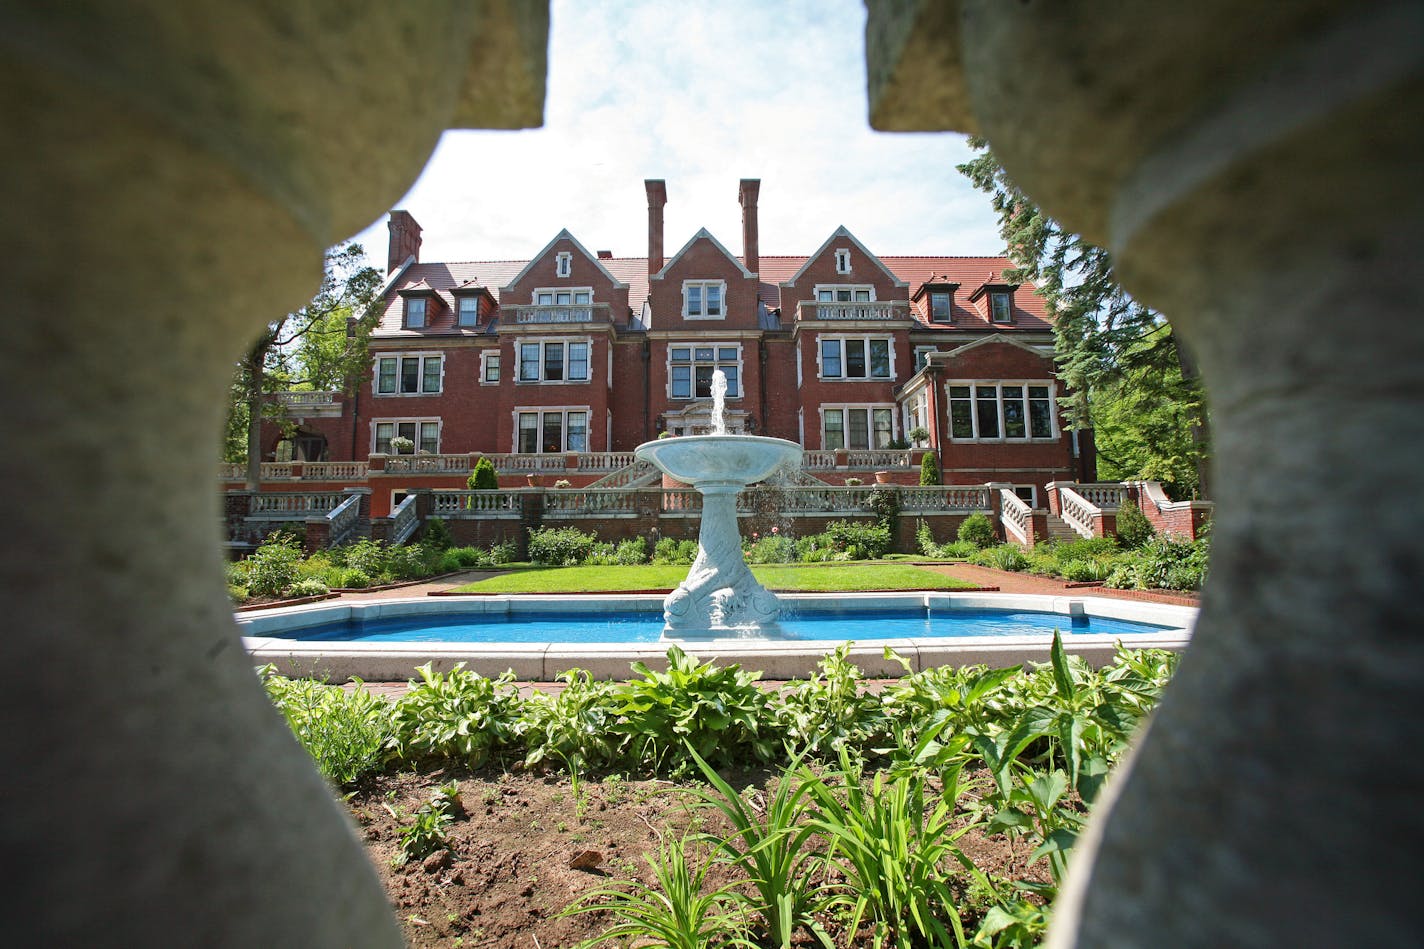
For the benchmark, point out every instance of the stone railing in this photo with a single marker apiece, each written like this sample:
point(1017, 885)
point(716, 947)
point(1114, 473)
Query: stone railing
point(604, 460)
point(460, 504)
point(1105, 496)
point(928, 499)
point(681, 501)
point(818, 460)
point(843, 310)
point(1016, 516)
point(297, 399)
point(586, 503)
point(802, 500)
point(404, 520)
point(425, 464)
point(335, 471)
point(880, 459)
point(564, 313)
point(1078, 512)
point(625, 476)
point(342, 520)
point(294, 505)
point(526, 463)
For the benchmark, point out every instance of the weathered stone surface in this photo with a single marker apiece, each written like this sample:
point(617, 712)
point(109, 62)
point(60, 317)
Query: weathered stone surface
point(1252, 169)
point(172, 175)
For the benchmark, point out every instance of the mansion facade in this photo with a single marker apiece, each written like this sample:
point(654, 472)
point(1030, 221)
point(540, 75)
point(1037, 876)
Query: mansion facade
point(580, 353)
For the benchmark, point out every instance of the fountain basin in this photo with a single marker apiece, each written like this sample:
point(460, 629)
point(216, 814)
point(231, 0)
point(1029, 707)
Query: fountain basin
point(718, 459)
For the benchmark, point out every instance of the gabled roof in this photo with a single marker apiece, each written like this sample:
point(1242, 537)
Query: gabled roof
point(703, 232)
point(844, 233)
point(951, 354)
point(564, 235)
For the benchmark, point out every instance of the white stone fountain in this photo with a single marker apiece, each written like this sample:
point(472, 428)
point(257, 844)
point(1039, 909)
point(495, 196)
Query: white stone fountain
point(719, 598)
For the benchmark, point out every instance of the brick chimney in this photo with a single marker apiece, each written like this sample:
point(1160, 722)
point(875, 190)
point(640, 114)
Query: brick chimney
point(405, 240)
point(657, 197)
point(747, 194)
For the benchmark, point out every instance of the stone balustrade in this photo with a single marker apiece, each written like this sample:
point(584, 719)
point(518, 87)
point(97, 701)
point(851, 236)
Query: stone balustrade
point(880, 310)
point(294, 505)
point(929, 499)
point(404, 520)
point(1016, 516)
point(458, 504)
point(599, 502)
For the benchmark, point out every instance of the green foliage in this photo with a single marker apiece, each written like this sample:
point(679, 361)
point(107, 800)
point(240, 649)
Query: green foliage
point(427, 832)
point(503, 553)
point(675, 913)
point(929, 466)
point(829, 712)
point(437, 534)
point(560, 546)
point(958, 550)
point(918, 435)
point(411, 561)
point(674, 552)
point(884, 503)
point(483, 476)
point(345, 732)
point(1163, 563)
point(272, 567)
point(353, 578)
point(773, 548)
point(1133, 527)
point(574, 726)
point(627, 553)
point(719, 711)
point(858, 541)
point(1003, 557)
point(461, 716)
point(978, 530)
point(309, 586)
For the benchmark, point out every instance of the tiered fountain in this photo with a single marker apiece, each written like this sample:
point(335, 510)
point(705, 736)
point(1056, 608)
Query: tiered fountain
point(719, 598)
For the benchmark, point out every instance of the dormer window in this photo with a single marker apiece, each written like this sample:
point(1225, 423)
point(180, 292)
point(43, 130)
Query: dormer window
point(1001, 309)
point(415, 313)
point(940, 306)
point(469, 310)
point(704, 299)
point(564, 264)
point(843, 260)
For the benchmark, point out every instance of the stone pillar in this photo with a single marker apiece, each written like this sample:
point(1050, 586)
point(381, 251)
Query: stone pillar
point(1253, 167)
point(175, 172)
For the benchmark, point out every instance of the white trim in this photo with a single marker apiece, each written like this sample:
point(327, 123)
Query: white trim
point(416, 420)
point(799, 381)
point(398, 356)
point(460, 299)
point(836, 287)
point(951, 354)
point(396, 274)
point(541, 341)
point(1002, 438)
point(843, 232)
point(541, 411)
point(842, 260)
point(701, 233)
point(485, 357)
point(561, 236)
point(555, 291)
point(563, 264)
point(917, 365)
point(704, 285)
point(870, 408)
point(692, 363)
point(866, 337)
point(424, 302)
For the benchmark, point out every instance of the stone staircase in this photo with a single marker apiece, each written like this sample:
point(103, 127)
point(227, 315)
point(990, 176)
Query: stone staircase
point(1059, 530)
point(639, 474)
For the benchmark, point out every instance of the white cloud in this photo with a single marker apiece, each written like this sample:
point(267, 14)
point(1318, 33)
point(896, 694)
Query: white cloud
point(700, 94)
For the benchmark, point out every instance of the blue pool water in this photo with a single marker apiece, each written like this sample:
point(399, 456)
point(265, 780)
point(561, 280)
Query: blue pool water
point(647, 626)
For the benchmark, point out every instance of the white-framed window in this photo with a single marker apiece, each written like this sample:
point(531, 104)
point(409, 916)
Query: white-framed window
point(467, 310)
point(916, 413)
point(843, 260)
point(922, 354)
point(704, 299)
point(857, 427)
point(559, 359)
point(423, 434)
point(553, 296)
point(1001, 411)
point(409, 374)
point(1001, 309)
point(564, 263)
point(857, 357)
point(1027, 493)
point(940, 310)
point(844, 293)
point(415, 313)
point(690, 369)
point(545, 431)
point(489, 368)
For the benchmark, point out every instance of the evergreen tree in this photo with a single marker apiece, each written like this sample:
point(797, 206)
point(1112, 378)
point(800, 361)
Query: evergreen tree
point(1127, 374)
point(929, 469)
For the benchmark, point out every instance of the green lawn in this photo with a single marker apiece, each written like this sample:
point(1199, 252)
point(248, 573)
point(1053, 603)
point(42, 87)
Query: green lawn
point(836, 577)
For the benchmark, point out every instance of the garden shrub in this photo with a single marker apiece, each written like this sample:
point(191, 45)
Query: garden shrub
point(1163, 563)
point(978, 530)
point(929, 468)
point(884, 503)
point(272, 567)
point(1083, 571)
point(470, 557)
point(482, 476)
point(503, 552)
point(1002, 557)
point(1133, 527)
point(310, 586)
point(237, 592)
point(365, 555)
point(773, 548)
point(631, 552)
point(461, 716)
point(560, 546)
point(353, 578)
point(437, 534)
point(412, 562)
point(675, 552)
point(858, 541)
point(573, 727)
point(344, 732)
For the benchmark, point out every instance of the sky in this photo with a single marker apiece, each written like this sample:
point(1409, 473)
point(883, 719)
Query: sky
point(700, 93)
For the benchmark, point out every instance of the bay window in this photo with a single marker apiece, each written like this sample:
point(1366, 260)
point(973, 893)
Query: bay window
point(857, 427)
point(690, 370)
point(855, 357)
point(422, 436)
point(416, 374)
point(550, 431)
point(1012, 411)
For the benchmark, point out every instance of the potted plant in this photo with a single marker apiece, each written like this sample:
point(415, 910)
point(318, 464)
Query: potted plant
point(563, 483)
point(400, 445)
point(918, 435)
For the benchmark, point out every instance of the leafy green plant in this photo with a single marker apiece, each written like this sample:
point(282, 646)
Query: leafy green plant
point(560, 546)
point(718, 710)
point(884, 503)
point(859, 541)
point(771, 846)
point(1035, 806)
point(574, 725)
point(929, 466)
point(1002, 557)
point(437, 534)
point(669, 550)
point(273, 567)
point(345, 732)
point(461, 716)
point(1133, 527)
point(483, 476)
point(427, 832)
point(311, 586)
point(676, 913)
point(978, 530)
point(830, 711)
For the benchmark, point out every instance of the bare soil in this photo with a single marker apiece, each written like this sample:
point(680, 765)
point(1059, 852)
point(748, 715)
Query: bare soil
point(506, 877)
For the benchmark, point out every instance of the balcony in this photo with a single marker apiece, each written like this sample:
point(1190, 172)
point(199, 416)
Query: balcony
point(528, 314)
point(842, 311)
point(310, 404)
